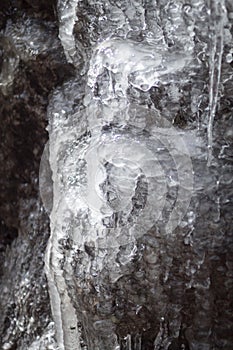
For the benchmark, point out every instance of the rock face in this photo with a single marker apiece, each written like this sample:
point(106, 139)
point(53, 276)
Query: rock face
point(138, 98)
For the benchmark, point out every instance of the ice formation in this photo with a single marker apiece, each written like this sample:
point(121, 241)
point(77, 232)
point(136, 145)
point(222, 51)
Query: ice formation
point(67, 18)
point(136, 177)
point(128, 176)
point(218, 19)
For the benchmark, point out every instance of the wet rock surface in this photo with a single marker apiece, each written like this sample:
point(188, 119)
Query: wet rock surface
point(109, 77)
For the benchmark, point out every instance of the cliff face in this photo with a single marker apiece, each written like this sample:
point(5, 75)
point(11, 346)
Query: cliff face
point(137, 99)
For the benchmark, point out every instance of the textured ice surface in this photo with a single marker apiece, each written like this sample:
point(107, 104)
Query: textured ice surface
point(139, 223)
point(67, 18)
point(218, 20)
point(125, 60)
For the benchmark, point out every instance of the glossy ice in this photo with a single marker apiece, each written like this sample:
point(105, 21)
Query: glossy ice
point(136, 221)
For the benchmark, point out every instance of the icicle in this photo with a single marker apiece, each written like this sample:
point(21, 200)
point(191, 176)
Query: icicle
point(138, 342)
point(129, 342)
point(217, 17)
point(67, 18)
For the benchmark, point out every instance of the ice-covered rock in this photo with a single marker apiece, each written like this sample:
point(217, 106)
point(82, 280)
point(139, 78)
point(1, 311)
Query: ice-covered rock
point(136, 184)
point(136, 176)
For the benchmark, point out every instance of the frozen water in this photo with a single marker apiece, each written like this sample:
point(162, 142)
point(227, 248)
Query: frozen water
point(218, 19)
point(125, 60)
point(67, 18)
point(135, 210)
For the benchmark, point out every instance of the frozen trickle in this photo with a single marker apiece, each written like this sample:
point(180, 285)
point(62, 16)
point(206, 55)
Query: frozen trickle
point(123, 58)
point(124, 254)
point(218, 13)
point(138, 64)
point(110, 183)
point(67, 18)
point(109, 187)
point(112, 172)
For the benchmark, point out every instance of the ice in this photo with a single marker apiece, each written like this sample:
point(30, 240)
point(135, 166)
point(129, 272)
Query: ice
point(218, 18)
point(134, 203)
point(126, 59)
point(67, 17)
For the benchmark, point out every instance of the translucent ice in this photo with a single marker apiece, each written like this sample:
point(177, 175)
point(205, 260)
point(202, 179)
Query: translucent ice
point(218, 19)
point(67, 17)
point(139, 64)
point(128, 247)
